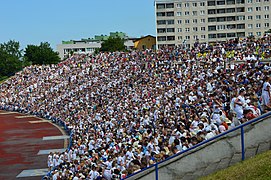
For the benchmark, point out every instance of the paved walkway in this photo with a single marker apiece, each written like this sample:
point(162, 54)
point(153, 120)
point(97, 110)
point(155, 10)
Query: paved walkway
point(21, 144)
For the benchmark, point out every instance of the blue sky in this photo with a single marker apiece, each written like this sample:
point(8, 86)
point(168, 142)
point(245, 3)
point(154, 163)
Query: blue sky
point(35, 21)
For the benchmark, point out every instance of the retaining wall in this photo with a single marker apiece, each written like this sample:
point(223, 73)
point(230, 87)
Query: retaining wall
point(219, 153)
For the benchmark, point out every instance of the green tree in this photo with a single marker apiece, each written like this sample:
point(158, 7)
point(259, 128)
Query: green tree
point(10, 58)
point(113, 44)
point(42, 54)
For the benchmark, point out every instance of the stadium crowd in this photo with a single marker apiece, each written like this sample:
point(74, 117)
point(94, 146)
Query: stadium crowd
point(129, 110)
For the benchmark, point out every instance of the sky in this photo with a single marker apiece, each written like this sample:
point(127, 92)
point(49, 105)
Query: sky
point(35, 21)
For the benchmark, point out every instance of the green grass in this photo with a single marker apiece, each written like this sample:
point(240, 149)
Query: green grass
point(258, 167)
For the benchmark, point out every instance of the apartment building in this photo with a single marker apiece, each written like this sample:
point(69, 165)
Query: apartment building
point(183, 22)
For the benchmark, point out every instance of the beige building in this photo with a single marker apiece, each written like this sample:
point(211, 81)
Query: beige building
point(183, 22)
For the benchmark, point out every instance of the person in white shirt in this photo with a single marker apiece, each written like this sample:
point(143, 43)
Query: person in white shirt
point(266, 93)
point(239, 105)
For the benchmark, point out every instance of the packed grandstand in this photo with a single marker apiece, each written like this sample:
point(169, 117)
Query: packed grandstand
point(128, 110)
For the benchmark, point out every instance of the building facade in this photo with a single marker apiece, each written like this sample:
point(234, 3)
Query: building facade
point(183, 22)
point(89, 45)
point(145, 42)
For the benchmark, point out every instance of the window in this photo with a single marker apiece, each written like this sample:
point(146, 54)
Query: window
point(161, 30)
point(258, 33)
point(187, 37)
point(202, 12)
point(250, 17)
point(161, 14)
point(249, 1)
point(179, 21)
point(211, 36)
point(195, 37)
point(240, 18)
point(221, 19)
point(170, 21)
point(211, 28)
point(249, 9)
point(160, 22)
point(266, 25)
point(231, 26)
point(170, 5)
point(240, 1)
point(258, 17)
point(258, 8)
point(240, 26)
point(187, 21)
point(266, 8)
point(240, 9)
point(221, 27)
point(211, 11)
point(202, 36)
point(186, 13)
point(220, 11)
point(170, 13)
point(211, 19)
point(179, 13)
point(231, 35)
point(179, 29)
point(160, 6)
point(221, 3)
point(195, 29)
point(179, 5)
point(187, 29)
point(229, 2)
point(202, 28)
point(241, 34)
point(230, 10)
point(194, 13)
point(202, 3)
point(186, 5)
point(170, 30)
point(195, 21)
point(194, 4)
point(221, 35)
point(202, 20)
point(211, 3)
point(249, 26)
point(180, 37)
point(170, 38)
point(258, 25)
point(161, 38)
point(258, 0)
point(266, 16)
point(250, 34)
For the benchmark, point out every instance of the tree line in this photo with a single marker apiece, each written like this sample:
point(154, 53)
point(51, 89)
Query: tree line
point(13, 58)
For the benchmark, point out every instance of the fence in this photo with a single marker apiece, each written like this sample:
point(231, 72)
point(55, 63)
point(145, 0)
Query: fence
point(238, 133)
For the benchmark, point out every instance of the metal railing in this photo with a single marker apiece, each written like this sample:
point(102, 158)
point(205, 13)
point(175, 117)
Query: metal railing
point(240, 127)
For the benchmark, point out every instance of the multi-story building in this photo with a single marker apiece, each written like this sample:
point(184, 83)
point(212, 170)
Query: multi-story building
point(89, 45)
point(183, 22)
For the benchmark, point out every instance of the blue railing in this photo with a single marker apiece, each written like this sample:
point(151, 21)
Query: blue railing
point(205, 142)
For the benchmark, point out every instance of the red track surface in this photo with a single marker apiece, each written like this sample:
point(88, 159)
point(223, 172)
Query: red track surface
point(20, 141)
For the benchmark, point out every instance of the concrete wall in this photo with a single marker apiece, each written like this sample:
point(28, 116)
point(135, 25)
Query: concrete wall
point(215, 155)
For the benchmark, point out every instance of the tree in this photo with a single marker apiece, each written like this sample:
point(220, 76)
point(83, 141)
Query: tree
point(42, 54)
point(10, 58)
point(113, 44)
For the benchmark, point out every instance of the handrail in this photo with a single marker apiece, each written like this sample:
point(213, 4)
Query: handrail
point(241, 126)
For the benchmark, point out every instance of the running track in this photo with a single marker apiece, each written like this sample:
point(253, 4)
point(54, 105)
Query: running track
point(21, 138)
